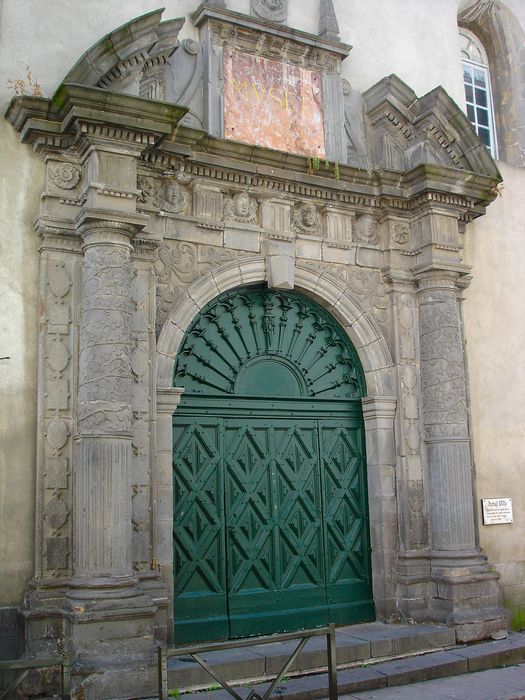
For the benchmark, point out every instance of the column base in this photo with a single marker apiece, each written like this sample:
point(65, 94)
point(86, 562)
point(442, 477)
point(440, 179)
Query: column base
point(413, 571)
point(107, 626)
point(465, 592)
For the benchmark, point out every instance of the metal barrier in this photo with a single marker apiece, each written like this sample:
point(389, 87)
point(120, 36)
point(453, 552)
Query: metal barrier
point(304, 635)
point(27, 665)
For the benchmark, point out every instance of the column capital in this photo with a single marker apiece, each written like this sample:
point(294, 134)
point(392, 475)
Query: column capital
point(102, 226)
point(168, 399)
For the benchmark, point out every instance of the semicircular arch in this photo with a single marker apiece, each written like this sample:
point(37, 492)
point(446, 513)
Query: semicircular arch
point(321, 286)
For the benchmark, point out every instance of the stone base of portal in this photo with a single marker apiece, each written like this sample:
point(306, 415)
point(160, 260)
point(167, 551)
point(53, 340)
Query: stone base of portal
point(465, 592)
point(109, 630)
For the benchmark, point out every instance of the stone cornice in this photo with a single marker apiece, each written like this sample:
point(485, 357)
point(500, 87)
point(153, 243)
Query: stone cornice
point(277, 34)
point(77, 108)
point(286, 174)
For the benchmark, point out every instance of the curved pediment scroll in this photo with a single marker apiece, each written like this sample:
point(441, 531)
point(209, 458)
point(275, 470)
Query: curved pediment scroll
point(132, 58)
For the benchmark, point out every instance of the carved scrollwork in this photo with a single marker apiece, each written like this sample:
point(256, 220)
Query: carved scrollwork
point(177, 265)
point(66, 176)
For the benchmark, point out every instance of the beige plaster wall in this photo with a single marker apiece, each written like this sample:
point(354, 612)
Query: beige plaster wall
point(418, 41)
point(495, 339)
point(19, 196)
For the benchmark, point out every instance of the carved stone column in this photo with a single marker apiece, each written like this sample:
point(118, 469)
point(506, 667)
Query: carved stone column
point(464, 592)
point(102, 482)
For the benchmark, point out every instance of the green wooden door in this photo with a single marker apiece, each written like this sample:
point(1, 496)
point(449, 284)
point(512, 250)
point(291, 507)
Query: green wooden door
point(270, 509)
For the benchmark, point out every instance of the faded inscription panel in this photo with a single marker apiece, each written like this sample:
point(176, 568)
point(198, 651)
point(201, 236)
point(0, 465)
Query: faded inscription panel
point(273, 104)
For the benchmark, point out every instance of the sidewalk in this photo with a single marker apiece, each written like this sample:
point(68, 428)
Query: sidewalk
point(495, 684)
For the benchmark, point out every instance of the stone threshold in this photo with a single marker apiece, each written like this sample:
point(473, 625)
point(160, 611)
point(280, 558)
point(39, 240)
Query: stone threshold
point(375, 672)
point(360, 644)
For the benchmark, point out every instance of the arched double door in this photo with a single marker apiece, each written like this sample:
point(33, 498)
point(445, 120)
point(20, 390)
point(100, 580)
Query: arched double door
point(270, 506)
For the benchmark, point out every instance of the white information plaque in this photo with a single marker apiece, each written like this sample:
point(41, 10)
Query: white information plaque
point(496, 511)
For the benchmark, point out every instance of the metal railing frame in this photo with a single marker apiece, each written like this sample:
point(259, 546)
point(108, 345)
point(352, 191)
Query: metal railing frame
point(195, 651)
point(28, 664)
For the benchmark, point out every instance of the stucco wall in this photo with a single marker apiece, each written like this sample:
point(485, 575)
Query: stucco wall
point(415, 40)
point(495, 338)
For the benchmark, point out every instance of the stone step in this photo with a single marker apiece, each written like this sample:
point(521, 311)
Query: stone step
point(364, 643)
point(378, 674)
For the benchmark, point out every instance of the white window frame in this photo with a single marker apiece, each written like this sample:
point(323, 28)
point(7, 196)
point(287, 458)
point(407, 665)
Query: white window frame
point(471, 64)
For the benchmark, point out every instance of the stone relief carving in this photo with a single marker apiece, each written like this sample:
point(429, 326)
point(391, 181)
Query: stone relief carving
point(170, 196)
point(366, 286)
point(104, 360)
point(272, 10)
point(442, 367)
point(306, 219)
point(146, 185)
point(177, 264)
point(241, 207)
point(365, 230)
point(400, 232)
point(65, 175)
point(143, 348)
point(55, 399)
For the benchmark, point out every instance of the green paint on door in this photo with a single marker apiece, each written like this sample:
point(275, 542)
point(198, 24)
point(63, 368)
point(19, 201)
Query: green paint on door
point(270, 508)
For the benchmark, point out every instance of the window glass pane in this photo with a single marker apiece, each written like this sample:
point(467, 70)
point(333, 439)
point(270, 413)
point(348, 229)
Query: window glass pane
point(479, 78)
point(467, 74)
point(482, 116)
point(481, 97)
point(484, 135)
point(469, 93)
point(470, 113)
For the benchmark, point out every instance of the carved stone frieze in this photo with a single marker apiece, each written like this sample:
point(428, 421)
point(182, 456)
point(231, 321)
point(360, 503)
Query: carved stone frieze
point(241, 208)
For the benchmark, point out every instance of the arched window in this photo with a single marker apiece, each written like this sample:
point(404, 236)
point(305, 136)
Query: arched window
point(478, 95)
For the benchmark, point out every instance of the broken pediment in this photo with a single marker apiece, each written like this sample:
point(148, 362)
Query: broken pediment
point(408, 131)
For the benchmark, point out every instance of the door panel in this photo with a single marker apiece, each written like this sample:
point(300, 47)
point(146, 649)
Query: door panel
point(200, 608)
point(273, 526)
point(347, 548)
